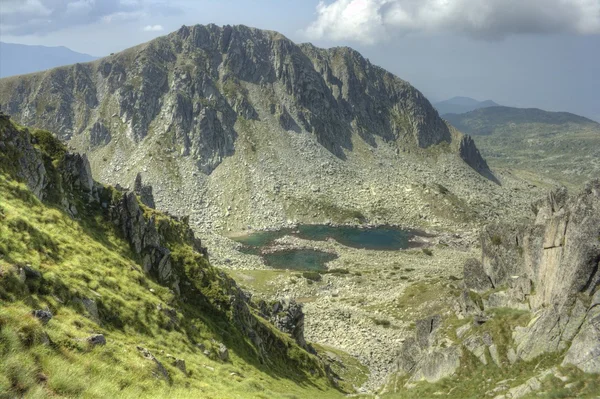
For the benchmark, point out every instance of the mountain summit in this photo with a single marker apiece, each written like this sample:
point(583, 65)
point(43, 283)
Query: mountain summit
point(244, 116)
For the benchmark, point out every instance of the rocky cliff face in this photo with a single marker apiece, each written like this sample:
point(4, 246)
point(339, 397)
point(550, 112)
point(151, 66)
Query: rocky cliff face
point(207, 110)
point(547, 272)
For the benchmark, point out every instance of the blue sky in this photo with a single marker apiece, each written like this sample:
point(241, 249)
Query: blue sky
point(527, 53)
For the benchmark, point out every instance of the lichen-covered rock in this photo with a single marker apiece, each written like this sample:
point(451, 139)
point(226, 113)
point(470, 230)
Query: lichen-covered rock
point(423, 358)
point(474, 276)
point(584, 351)
point(440, 363)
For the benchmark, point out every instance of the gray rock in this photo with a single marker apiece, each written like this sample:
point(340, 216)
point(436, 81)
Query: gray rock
point(161, 371)
point(287, 315)
point(178, 363)
point(530, 386)
point(475, 277)
point(585, 348)
point(495, 355)
point(96, 339)
point(438, 364)
point(223, 352)
point(425, 330)
point(99, 135)
point(476, 346)
point(144, 191)
point(31, 273)
point(42, 315)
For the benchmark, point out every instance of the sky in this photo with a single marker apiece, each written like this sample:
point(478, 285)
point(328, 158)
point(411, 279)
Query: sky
point(524, 53)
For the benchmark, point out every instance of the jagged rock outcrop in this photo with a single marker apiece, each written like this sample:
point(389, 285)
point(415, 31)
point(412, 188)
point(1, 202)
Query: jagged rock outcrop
point(559, 253)
point(144, 191)
point(143, 236)
point(64, 182)
point(559, 256)
point(469, 152)
point(548, 269)
point(19, 154)
point(287, 316)
point(426, 357)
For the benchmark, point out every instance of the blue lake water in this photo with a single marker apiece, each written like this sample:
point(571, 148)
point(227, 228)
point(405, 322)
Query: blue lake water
point(380, 238)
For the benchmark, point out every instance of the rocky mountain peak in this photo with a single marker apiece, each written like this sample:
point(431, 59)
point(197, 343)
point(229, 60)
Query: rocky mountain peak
point(194, 82)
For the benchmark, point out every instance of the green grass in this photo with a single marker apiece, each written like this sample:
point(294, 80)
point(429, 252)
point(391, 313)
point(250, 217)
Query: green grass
point(88, 258)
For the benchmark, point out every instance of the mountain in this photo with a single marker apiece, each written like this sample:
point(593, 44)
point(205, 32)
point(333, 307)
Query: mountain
point(460, 105)
point(559, 145)
point(237, 127)
point(20, 59)
point(104, 297)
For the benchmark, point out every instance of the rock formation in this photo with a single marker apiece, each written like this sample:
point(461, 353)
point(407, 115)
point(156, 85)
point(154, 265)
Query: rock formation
point(549, 268)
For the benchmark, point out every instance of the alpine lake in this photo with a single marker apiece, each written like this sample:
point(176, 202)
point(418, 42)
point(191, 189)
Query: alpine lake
point(384, 238)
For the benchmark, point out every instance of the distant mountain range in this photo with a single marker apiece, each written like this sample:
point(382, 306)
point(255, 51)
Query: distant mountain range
point(20, 59)
point(460, 105)
point(559, 145)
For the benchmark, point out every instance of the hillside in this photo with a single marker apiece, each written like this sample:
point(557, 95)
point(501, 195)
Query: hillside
point(238, 127)
point(20, 59)
point(460, 105)
point(558, 145)
point(101, 296)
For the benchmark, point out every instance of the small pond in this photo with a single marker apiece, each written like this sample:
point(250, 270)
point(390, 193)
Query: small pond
point(380, 238)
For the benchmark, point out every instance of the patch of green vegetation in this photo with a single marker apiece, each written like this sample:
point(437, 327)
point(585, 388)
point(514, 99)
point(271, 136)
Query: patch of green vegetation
point(427, 251)
point(382, 322)
point(313, 276)
point(352, 372)
point(496, 240)
point(422, 299)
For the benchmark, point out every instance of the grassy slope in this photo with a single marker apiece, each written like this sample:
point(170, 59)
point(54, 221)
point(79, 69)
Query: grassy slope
point(558, 145)
point(87, 258)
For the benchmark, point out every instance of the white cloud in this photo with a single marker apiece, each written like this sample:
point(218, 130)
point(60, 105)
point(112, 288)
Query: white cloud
point(24, 16)
point(153, 28)
point(371, 21)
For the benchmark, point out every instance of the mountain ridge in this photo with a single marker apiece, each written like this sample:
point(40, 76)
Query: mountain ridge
point(21, 59)
point(460, 105)
point(560, 146)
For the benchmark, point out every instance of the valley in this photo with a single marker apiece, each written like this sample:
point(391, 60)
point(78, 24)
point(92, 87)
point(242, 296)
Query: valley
point(255, 218)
